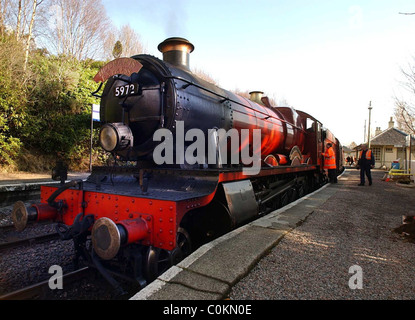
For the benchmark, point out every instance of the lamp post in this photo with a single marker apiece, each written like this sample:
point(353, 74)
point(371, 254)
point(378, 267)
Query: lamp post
point(364, 132)
point(368, 131)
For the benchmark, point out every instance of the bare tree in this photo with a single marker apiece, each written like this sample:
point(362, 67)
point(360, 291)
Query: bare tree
point(108, 43)
point(4, 13)
point(77, 27)
point(21, 17)
point(130, 41)
point(405, 116)
point(405, 107)
point(30, 31)
point(205, 76)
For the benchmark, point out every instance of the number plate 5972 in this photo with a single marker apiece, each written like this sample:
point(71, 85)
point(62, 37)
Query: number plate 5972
point(126, 90)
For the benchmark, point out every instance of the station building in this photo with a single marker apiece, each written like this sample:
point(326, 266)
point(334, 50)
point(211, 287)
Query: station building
point(392, 145)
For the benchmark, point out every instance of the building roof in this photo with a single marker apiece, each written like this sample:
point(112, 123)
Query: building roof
point(390, 137)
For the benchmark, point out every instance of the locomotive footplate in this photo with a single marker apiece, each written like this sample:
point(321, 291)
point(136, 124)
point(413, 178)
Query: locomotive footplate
point(161, 184)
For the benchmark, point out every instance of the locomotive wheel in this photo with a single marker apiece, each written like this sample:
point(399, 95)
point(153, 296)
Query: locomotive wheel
point(158, 260)
point(292, 195)
point(301, 190)
point(284, 199)
point(183, 246)
point(296, 156)
point(271, 161)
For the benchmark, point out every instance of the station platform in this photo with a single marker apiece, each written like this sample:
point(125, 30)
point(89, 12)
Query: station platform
point(309, 249)
point(22, 185)
point(21, 181)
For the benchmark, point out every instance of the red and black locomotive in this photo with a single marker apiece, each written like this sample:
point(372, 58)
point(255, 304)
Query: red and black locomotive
point(137, 218)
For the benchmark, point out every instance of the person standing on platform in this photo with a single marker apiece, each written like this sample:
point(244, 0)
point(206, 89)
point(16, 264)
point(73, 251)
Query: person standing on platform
point(330, 163)
point(365, 163)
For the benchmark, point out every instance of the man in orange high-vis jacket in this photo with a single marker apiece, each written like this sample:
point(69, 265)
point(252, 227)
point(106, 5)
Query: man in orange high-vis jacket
point(365, 163)
point(330, 163)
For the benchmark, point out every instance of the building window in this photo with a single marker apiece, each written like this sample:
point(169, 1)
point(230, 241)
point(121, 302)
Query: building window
point(376, 152)
point(389, 150)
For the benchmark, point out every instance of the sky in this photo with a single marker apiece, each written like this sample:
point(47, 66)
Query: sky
point(329, 58)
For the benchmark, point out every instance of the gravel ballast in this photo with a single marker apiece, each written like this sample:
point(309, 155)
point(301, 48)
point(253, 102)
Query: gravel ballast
point(350, 235)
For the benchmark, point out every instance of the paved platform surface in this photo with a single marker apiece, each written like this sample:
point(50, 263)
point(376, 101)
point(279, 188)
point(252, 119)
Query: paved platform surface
point(243, 264)
point(21, 181)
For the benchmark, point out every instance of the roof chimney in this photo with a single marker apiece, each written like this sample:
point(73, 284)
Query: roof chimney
point(378, 131)
point(176, 51)
point(391, 123)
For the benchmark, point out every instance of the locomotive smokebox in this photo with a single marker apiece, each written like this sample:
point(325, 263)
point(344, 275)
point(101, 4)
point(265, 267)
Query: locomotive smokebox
point(176, 51)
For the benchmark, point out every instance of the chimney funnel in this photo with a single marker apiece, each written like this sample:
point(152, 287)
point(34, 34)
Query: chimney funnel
point(256, 96)
point(176, 51)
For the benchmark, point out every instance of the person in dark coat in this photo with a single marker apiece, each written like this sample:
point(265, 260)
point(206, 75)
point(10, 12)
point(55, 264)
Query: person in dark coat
point(366, 163)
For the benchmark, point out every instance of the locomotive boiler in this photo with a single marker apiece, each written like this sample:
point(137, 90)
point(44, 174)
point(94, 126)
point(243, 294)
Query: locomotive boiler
point(138, 217)
point(165, 92)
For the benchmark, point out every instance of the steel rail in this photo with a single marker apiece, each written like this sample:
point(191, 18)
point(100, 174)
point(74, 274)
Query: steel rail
point(39, 290)
point(29, 241)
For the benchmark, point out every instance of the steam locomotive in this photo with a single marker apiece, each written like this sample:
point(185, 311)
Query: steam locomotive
point(138, 217)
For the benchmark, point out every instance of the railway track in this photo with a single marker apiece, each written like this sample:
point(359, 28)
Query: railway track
point(42, 289)
point(7, 199)
point(29, 241)
point(7, 228)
